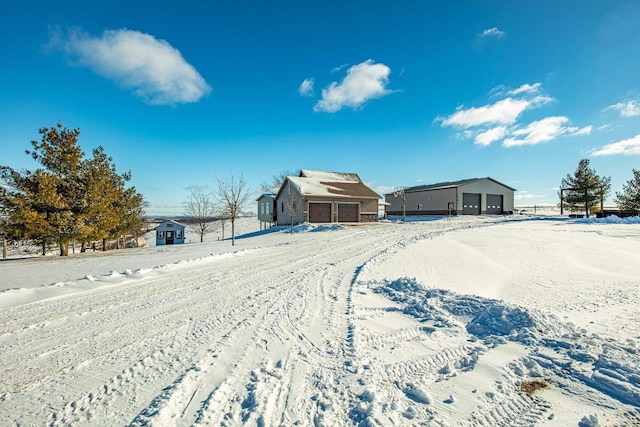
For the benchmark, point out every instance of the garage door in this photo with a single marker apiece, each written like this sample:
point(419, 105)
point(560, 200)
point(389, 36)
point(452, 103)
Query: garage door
point(494, 204)
point(470, 204)
point(319, 212)
point(347, 212)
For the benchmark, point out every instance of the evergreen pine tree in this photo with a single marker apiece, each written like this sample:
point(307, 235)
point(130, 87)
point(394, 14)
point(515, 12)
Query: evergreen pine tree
point(69, 198)
point(629, 198)
point(584, 189)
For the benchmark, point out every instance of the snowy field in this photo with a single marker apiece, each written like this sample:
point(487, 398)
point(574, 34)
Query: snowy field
point(521, 320)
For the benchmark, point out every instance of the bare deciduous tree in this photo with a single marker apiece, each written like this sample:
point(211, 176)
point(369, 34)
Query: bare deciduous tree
point(290, 203)
point(232, 194)
point(3, 231)
point(277, 180)
point(200, 211)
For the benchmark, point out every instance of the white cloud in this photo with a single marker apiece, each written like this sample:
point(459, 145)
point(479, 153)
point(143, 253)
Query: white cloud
point(306, 87)
point(574, 131)
point(381, 189)
point(339, 67)
point(499, 121)
point(487, 137)
point(492, 32)
point(525, 195)
point(525, 88)
point(627, 147)
point(196, 187)
point(543, 130)
point(503, 112)
point(363, 82)
point(627, 109)
point(153, 69)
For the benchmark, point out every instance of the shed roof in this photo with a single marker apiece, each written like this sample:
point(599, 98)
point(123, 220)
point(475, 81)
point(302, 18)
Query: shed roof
point(170, 221)
point(331, 184)
point(267, 195)
point(451, 184)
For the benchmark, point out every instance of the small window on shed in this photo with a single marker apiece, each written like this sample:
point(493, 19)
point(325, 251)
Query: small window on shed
point(419, 206)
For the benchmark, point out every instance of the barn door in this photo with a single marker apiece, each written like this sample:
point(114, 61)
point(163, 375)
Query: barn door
point(470, 204)
point(494, 204)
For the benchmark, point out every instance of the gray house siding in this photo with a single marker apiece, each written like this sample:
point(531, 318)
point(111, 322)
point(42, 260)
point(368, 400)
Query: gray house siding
point(314, 209)
point(289, 197)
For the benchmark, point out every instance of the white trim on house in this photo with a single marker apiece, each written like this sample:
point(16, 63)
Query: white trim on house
point(170, 233)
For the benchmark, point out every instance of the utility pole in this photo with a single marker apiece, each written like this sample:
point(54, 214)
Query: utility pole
point(400, 192)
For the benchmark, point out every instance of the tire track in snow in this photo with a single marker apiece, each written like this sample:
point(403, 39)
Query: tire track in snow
point(142, 351)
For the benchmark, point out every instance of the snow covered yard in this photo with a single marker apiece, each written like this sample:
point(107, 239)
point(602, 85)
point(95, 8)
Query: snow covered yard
point(439, 322)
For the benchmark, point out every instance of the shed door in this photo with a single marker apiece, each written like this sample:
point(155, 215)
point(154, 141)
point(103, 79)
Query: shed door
point(347, 212)
point(470, 204)
point(319, 212)
point(494, 204)
point(169, 237)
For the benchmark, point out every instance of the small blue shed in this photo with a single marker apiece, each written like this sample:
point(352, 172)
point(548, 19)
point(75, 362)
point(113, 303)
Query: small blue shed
point(169, 233)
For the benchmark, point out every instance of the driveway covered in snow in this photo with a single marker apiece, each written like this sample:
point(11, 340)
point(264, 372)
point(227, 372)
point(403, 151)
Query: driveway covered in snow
point(443, 321)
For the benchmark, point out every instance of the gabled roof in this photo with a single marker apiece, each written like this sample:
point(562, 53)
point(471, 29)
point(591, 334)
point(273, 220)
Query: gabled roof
point(330, 184)
point(268, 195)
point(451, 184)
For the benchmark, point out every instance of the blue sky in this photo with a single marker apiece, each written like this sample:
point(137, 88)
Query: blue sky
point(402, 93)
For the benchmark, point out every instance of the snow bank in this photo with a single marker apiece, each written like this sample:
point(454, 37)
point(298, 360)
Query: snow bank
point(613, 219)
point(308, 227)
point(19, 296)
point(556, 348)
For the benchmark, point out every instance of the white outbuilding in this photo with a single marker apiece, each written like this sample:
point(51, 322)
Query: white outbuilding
point(169, 233)
point(476, 196)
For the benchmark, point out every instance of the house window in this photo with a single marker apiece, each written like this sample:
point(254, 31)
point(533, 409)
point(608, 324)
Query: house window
point(294, 205)
point(281, 206)
point(419, 206)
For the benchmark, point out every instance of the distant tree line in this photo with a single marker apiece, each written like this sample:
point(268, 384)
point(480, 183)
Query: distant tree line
point(69, 198)
point(586, 190)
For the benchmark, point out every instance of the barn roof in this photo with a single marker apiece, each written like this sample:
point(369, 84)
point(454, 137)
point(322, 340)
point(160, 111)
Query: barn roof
point(331, 184)
point(451, 184)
